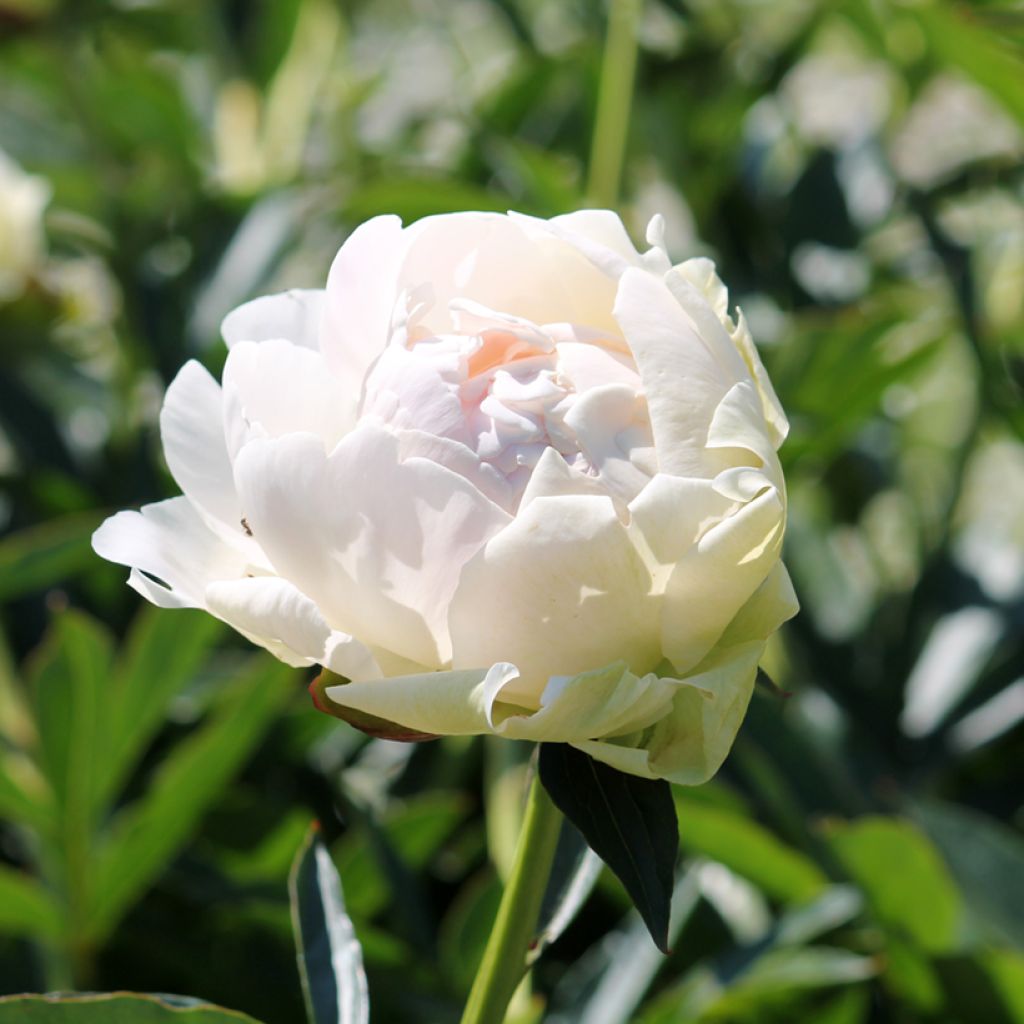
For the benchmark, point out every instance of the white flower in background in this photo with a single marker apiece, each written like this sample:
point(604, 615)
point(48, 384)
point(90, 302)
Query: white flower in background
point(23, 197)
point(505, 475)
point(952, 123)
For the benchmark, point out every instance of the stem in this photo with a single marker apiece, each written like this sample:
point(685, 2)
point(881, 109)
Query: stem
point(614, 98)
point(504, 961)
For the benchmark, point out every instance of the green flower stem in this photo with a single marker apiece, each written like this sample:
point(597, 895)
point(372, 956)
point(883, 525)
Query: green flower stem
point(504, 962)
point(614, 99)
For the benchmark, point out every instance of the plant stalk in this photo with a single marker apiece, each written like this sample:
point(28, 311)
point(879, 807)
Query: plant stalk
point(504, 961)
point(614, 99)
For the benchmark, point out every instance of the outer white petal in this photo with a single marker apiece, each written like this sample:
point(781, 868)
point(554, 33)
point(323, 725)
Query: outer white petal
point(558, 591)
point(689, 744)
point(602, 702)
point(507, 265)
point(360, 301)
point(275, 388)
point(716, 576)
point(683, 382)
point(700, 272)
point(276, 615)
point(293, 315)
point(376, 543)
point(171, 541)
point(192, 431)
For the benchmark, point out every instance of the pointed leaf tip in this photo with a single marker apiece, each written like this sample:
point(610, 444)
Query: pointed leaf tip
point(629, 822)
point(329, 954)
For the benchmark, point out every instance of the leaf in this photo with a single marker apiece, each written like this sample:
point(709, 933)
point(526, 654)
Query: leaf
point(40, 556)
point(149, 832)
point(987, 860)
point(573, 876)
point(629, 822)
point(330, 959)
point(904, 879)
point(114, 1008)
point(161, 655)
point(26, 908)
point(69, 677)
point(610, 982)
point(747, 848)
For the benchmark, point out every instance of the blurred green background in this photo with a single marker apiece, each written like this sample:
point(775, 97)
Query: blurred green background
point(855, 168)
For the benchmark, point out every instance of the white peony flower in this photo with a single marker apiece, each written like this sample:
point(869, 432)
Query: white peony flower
point(503, 475)
point(23, 197)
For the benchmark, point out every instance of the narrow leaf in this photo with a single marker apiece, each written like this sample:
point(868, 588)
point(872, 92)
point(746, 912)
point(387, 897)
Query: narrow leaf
point(573, 877)
point(39, 556)
point(26, 908)
point(330, 959)
point(629, 822)
point(148, 833)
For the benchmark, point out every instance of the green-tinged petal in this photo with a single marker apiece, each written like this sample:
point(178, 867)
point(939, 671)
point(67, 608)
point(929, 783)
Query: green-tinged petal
point(716, 577)
point(689, 744)
point(605, 702)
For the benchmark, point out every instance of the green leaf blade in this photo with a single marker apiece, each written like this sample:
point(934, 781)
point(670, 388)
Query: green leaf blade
point(629, 822)
point(330, 958)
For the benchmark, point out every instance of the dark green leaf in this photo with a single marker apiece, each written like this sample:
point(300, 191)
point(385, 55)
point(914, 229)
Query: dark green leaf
point(573, 876)
point(629, 822)
point(114, 1008)
point(330, 959)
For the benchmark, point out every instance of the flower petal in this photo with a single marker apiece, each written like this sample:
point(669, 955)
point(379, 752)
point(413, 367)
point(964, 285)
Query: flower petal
point(559, 591)
point(716, 576)
point(192, 431)
point(683, 382)
point(293, 316)
point(276, 615)
point(376, 543)
point(275, 388)
point(360, 299)
point(168, 540)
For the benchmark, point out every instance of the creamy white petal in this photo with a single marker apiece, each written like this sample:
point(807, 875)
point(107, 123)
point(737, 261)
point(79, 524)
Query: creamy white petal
point(613, 431)
point(558, 591)
point(553, 477)
point(505, 265)
point(192, 432)
point(169, 540)
point(361, 296)
point(717, 575)
point(773, 410)
point(275, 388)
point(688, 745)
point(671, 513)
point(596, 703)
point(293, 315)
point(683, 382)
point(276, 615)
point(377, 543)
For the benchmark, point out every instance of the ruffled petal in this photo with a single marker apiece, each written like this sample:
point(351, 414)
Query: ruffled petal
point(715, 577)
point(688, 745)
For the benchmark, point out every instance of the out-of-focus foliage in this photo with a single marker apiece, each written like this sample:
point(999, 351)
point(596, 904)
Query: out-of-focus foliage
point(856, 170)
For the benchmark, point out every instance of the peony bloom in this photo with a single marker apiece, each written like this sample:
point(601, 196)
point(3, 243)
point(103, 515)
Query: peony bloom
point(23, 198)
point(503, 475)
